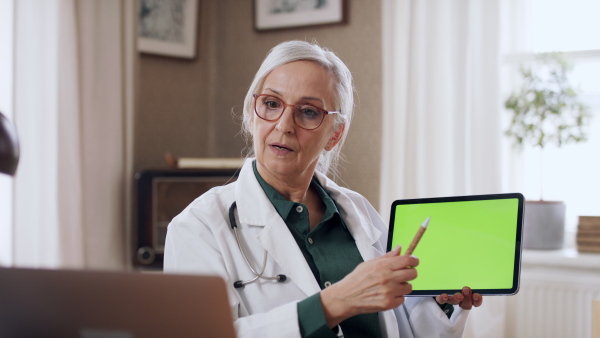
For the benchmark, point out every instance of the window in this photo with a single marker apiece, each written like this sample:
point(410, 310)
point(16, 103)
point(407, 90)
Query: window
point(571, 173)
point(565, 25)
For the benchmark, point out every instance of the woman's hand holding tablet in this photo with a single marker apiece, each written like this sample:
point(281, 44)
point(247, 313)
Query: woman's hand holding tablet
point(466, 299)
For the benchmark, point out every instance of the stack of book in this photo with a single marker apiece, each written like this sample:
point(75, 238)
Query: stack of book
point(588, 234)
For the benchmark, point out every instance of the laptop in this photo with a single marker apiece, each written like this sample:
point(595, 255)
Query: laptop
point(94, 304)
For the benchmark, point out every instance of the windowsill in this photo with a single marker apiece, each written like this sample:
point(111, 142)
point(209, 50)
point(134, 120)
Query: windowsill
point(567, 258)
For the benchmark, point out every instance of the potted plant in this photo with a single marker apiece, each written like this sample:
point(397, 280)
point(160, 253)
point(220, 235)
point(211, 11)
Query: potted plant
point(546, 110)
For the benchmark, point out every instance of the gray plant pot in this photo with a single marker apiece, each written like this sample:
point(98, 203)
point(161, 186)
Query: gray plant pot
point(544, 225)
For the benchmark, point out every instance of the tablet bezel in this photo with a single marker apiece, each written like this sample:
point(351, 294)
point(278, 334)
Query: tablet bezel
point(518, 240)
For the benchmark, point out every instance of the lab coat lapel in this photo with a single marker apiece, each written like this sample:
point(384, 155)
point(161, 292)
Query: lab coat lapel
point(255, 209)
point(365, 235)
point(360, 226)
point(253, 205)
point(356, 223)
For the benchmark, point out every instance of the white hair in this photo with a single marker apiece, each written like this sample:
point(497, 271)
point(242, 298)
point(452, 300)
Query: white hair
point(343, 88)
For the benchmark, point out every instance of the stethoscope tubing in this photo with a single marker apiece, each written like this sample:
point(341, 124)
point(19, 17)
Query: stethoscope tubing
point(241, 283)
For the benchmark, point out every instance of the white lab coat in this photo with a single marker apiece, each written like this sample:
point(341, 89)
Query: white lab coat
point(201, 241)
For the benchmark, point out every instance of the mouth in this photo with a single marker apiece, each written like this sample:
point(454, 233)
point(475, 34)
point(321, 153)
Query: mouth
point(280, 147)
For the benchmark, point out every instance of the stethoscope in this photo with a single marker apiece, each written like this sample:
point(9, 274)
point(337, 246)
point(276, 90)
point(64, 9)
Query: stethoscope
point(240, 283)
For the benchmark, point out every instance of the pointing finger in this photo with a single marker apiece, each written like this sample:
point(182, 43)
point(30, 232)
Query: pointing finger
point(395, 252)
point(403, 262)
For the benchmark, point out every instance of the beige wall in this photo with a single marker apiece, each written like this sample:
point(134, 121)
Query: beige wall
point(185, 106)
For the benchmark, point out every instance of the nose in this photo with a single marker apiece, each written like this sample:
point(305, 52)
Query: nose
point(286, 123)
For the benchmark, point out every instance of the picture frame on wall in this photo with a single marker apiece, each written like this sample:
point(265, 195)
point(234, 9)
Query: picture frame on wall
point(168, 27)
point(277, 14)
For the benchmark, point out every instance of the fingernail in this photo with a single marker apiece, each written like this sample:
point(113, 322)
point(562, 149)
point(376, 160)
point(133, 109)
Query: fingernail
point(466, 291)
point(475, 297)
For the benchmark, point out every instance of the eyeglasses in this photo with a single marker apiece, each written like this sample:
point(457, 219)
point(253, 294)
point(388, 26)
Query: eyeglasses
point(306, 116)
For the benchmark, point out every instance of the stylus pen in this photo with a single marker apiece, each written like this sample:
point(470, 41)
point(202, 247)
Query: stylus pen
point(417, 237)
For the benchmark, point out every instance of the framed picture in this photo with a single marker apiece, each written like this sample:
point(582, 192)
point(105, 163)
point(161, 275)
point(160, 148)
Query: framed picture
point(274, 14)
point(168, 27)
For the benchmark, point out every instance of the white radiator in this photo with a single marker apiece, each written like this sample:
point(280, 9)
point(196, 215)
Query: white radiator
point(554, 301)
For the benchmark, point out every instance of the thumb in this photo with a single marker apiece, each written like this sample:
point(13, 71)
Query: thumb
point(395, 252)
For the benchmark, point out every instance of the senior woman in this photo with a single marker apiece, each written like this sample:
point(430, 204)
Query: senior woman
point(302, 256)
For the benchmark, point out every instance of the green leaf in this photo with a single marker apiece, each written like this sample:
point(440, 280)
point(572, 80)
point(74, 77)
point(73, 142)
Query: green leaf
point(546, 109)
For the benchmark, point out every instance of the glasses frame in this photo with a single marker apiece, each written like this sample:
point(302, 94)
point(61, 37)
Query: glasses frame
point(294, 106)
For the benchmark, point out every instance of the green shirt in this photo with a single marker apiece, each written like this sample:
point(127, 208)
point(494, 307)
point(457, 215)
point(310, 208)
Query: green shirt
point(331, 254)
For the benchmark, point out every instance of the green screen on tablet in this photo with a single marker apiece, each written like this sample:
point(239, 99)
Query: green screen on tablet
point(470, 241)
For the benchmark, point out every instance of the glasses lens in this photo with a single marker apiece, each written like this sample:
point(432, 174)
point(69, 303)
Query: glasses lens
point(268, 107)
point(308, 117)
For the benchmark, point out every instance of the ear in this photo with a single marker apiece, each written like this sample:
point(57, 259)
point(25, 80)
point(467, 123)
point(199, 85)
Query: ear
point(336, 138)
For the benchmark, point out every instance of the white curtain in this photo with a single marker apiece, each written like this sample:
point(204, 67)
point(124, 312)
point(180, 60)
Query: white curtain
point(442, 132)
point(442, 101)
point(69, 108)
point(6, 94)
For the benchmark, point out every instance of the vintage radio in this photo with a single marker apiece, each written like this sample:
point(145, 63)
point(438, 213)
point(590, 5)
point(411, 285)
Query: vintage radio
point(162, 195)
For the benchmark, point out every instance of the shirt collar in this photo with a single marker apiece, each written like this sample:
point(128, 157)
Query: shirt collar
point(283, 206)
point(330, 207)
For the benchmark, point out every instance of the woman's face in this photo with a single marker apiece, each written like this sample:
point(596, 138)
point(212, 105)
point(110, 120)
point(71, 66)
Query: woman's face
point(283, 149)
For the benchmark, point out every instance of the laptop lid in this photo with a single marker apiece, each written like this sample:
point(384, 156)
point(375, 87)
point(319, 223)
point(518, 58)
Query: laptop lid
point(470, 241)
point(92, 304)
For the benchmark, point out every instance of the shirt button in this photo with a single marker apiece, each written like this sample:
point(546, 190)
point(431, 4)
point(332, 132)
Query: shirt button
point(327, 284)
point(299, 208)
point(310, 240)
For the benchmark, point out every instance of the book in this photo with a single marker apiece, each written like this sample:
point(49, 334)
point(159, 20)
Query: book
point(588, 223)
point(588, 240)
point(591, 232)
point(588, 234)
point(204, 162)
point(211, 163)
point(588, 227)
point(588, 248)
point(589, 220)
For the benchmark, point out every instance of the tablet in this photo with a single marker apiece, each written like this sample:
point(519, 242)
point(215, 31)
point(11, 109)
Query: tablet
point(470, 241)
